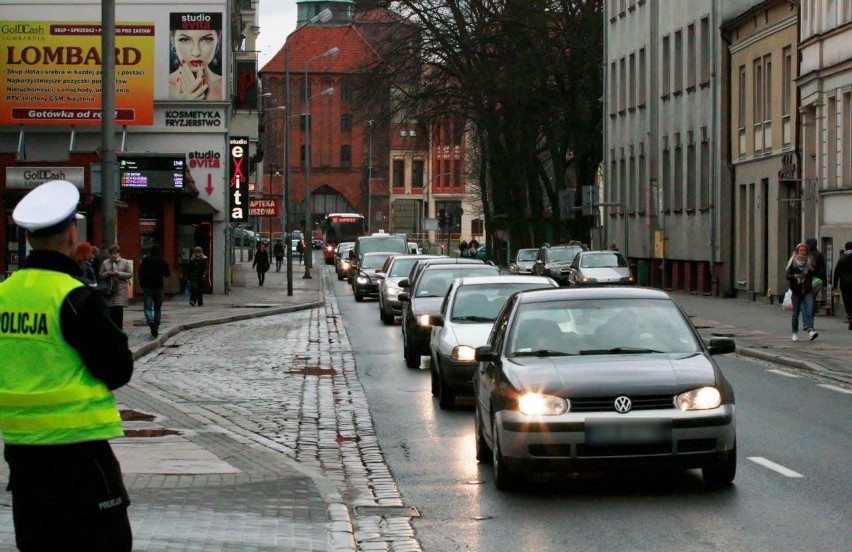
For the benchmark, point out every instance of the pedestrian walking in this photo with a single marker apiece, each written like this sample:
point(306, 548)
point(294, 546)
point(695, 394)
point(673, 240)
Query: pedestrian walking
point(463, 247)
point(115, 275)
point(83, 255)
point(300, 249)
point(278, 251)
point(261, 263)
point(820, 270)
point(843, 280)
point(62, 357)
point(197, 277)
point(800, 274)
point(152, 270)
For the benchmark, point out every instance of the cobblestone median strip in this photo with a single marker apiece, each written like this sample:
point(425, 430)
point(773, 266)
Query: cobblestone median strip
point(285, 386)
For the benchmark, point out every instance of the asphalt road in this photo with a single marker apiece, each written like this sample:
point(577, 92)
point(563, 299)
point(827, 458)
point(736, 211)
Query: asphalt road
point(791, 492)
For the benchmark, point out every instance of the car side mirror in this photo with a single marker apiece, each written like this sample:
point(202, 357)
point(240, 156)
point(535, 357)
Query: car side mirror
point(436, 320)
point(404, 283)
point(404, 297)
point(485, 354)
point(722, 346)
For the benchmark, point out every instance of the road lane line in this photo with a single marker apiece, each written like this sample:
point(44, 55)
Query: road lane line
point(834, 388)
point(783, 373)
point(786, 472)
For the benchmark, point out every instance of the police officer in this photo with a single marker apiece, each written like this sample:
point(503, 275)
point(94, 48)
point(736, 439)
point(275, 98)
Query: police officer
point(61, 357)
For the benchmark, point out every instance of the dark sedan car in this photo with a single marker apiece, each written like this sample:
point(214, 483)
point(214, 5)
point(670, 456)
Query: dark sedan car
point(365, 279)
point(554, 261)
point(590, 378)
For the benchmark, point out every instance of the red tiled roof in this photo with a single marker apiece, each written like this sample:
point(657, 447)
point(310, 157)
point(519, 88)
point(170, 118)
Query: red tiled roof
point(309, 42)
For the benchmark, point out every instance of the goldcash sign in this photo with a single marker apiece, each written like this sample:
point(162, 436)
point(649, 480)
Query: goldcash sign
point(50, 73)
point(238, 179)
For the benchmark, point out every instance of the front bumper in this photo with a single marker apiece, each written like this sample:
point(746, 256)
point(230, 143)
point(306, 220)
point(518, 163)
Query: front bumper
point(697, 439)
point(458, 374)
point(371, 289)
point(393, 305)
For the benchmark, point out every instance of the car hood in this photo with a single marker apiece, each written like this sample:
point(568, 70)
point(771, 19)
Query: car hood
point(605, 375)
point(472, 335)
point(560, 264)
point(394, 281)
point(426, 305)
point(525, 264)
point(606, 273)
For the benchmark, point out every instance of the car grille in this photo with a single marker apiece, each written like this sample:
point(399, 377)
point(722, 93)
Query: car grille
point(624, 450)
point(606, 404)
point(696, 445)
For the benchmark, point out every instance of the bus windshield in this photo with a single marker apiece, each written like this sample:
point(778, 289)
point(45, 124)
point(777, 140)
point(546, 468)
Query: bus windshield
point(343, 228)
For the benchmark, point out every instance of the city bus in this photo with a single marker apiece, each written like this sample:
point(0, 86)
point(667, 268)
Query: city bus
point(338, 228)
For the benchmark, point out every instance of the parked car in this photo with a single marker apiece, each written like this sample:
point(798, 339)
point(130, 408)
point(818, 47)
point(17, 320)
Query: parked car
point(600, 268)
point(554, 261)
point(424, 300)
point(523, 261)
point(366, 277)
point(244, 236)
point(577, 379)
point(341, 259)
point(464, 323)
point(396, 269)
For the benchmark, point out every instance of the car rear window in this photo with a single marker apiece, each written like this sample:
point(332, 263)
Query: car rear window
point(478, 302)
point(390, 243)
point(602, 260)
point(436, 283)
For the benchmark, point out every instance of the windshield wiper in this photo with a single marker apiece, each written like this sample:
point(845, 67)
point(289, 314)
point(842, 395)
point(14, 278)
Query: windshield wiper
point(617, 350)
point(543, 353)
point(472, 318)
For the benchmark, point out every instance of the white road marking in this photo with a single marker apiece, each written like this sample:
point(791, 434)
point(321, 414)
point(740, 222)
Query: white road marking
point(834, 388)
point(783, 373)
point(786, 472)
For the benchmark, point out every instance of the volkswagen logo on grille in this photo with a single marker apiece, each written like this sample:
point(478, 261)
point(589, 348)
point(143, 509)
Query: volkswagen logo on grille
point(622, 404)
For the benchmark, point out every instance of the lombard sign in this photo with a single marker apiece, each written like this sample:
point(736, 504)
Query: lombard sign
point(27, 178)
point(238, 179)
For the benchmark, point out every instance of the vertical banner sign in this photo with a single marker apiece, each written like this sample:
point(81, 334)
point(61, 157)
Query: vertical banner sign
point(238, 179)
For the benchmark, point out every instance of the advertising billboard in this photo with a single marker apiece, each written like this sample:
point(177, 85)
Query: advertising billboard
point(152, 172)
point(238, 179)
point(50, 73)
point(195, 56)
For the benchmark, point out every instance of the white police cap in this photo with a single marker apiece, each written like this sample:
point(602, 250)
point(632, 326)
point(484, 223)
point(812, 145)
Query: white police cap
point(48, 209)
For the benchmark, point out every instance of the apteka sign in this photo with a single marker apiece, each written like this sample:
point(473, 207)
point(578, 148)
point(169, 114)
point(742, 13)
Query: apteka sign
point(238, 179)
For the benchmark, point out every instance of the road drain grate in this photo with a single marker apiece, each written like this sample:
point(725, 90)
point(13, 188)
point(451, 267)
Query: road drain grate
point(150, 432)
point(134, 416)
point(387, 511)
point(315, 371)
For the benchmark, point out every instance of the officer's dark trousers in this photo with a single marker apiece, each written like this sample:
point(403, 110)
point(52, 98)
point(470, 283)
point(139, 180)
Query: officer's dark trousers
point(68, 498)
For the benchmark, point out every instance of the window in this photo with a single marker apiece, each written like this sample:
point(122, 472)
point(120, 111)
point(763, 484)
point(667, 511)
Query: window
point(302, 154)
point(346, 92)
point(631, 203)
point(417, 173)
point(705, 53)
point(346, 156)
point(622, 84)
point(678, 175)
point(846, 126)
point(767, 102)
point(667, 67)
point(757, 100)
point(632, 84)
point(477, 227)
point(667, 179)
point(458, 132)
point(642, 84)
point(622, 189)
point(741, 110)
point(678, 62)
point(831, 143)
point(690, 56)
point(303, 122)
point(398, 173)
point(345, 122)
point(690, 176)
point(613, 89)
point(705, 170)
point(613, 175)
point(787, 95)
point(457, 177)
point(305, 88)
point(642, 200)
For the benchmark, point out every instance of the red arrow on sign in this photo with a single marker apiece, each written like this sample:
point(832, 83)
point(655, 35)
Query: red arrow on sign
point(209, 187)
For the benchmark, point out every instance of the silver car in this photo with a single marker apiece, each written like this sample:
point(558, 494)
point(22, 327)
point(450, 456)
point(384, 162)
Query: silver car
point(600, 268)
point(342, 263)
point(590, 378)
point(465, 321)
point(524, 261)
point(396, 268)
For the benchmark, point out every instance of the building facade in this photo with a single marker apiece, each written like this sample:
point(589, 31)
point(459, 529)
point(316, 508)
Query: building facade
point(762, 50)
point(825, 91)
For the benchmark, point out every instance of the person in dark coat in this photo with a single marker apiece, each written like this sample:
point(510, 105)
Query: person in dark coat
point(820, 269)
point(152, 270)
point(261, 263)
point(82, 255)
point(800, 275)
point(278, 252)
point(197, 277)
point(843, 280)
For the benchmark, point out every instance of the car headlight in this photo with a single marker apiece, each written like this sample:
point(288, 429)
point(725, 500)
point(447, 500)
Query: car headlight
point(705, 398)
point(464, 353)
point(537, 404)
point(423, 320)
point(393, 292)
point(589, 280)
point(363, 280)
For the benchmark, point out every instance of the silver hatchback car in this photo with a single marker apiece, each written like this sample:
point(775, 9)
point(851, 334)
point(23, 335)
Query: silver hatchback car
point(600, 268)
point(590, 378)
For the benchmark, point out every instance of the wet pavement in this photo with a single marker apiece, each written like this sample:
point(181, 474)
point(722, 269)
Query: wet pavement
point(257, 435)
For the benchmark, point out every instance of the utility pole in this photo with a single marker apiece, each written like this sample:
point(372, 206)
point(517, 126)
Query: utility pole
point(108, 159)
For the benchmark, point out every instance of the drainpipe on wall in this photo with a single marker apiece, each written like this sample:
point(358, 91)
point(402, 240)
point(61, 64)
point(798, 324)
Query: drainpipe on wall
point(714, 282)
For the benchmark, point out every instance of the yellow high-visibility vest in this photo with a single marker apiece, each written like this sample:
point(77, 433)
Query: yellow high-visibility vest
point(47, 396)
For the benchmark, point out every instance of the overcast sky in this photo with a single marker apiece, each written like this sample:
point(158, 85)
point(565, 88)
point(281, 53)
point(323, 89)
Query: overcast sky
point(277, 20)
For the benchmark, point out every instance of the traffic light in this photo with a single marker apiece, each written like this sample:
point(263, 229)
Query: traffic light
point(442, 217)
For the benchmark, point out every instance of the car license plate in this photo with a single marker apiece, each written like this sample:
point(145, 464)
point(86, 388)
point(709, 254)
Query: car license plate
point(628, 432)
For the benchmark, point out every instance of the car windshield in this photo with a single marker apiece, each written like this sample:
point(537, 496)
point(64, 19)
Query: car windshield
point(436, 283)
point(345, 248)
point(527, 255)
point(563, 254)
point(371, 262)
point(388, 243)
point(482, 302)
point(401, 268)
point(601, 326)
point(602, 260)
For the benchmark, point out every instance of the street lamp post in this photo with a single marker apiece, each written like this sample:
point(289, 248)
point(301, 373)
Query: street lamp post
point(370, 179)
point(309, 232)
point(321, 17)
point(428, 192)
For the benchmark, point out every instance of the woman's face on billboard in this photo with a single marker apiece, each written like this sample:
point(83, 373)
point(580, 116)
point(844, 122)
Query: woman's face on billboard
point(196, 48)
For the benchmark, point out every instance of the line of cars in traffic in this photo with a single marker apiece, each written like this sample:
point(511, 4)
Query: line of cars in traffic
point(601, 374)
